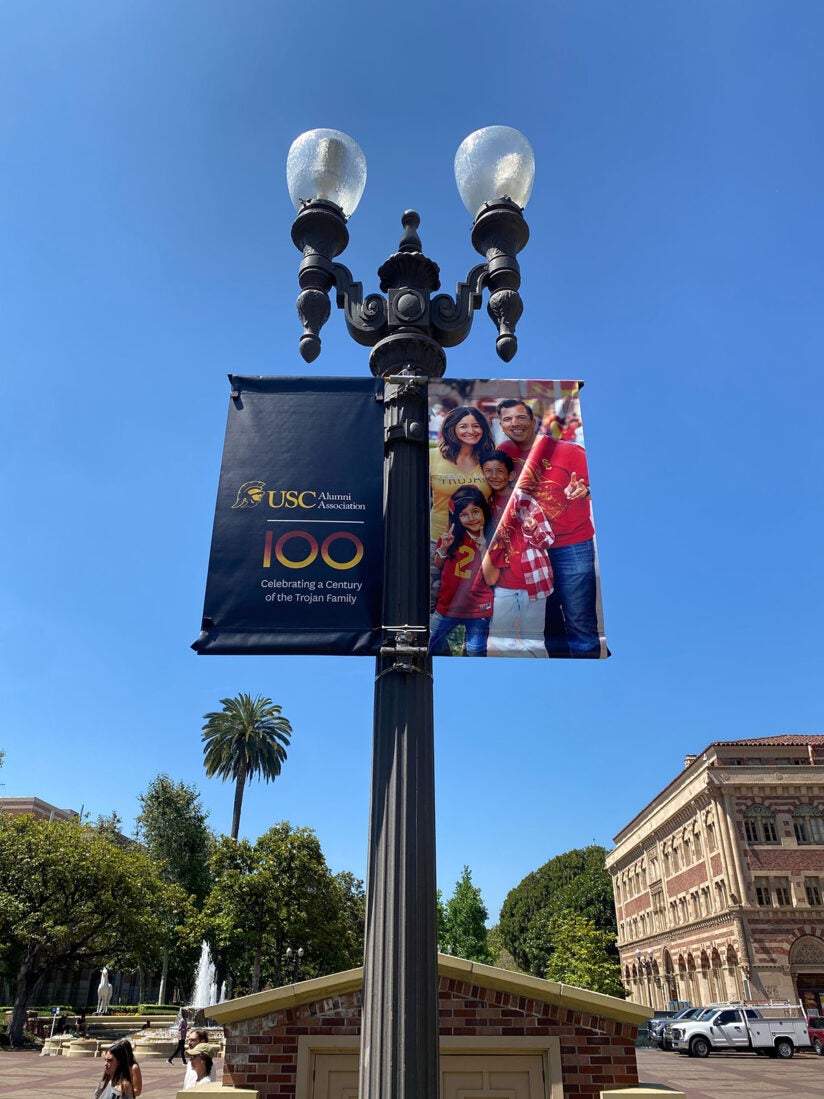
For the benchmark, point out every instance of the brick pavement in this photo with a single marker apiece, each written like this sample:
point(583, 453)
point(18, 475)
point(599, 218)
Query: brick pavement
point(25, 1075)
point(720, 1076)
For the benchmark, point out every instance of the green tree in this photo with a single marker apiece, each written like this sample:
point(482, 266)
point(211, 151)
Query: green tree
point(583, 956)
point(172, 826)
point(248, 737)
point(351, 922)
point(111, 828)
point(274, 894)
point(440, 928)
point(71, 898)
point(501, 957)
point(464, 922)
point(576, 882)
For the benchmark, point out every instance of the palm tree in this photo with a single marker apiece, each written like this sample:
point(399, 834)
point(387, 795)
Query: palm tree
point(247, 737)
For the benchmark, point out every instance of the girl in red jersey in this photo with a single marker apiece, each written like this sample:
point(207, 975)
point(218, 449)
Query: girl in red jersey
point(464, 599)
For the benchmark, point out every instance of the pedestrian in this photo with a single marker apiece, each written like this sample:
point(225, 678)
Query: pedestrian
point(197, 1037)
point(134, 1068)
point(201, 1057)
point(182, 1027)
point(116, 1081)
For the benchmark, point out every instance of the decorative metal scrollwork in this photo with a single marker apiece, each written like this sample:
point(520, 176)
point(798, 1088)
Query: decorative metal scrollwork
point(409, 278)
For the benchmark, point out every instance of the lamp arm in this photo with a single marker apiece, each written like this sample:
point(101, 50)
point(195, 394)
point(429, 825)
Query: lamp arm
point(451, 320)
point(366, 318)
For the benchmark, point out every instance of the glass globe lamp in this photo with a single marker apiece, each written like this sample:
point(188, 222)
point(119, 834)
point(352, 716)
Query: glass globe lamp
point(494, 163)
point(327, 165)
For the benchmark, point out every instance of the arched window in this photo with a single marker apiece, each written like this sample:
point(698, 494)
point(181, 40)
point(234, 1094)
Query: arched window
point(808, 824)
point(717, 976)
point(691, 977)
point(759, 824)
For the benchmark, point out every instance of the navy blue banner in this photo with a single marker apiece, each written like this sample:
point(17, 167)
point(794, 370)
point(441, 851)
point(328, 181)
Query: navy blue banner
point(296, 564)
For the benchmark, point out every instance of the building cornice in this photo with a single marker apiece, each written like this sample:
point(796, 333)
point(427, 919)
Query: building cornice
point(459, 969)
point(665, 940)
point(706, 763)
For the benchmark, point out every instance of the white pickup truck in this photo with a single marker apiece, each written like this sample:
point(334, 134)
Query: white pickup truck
point(739, 1028)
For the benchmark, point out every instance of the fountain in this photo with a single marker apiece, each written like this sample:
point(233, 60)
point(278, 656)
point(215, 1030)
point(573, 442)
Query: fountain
point(205, 990)
point(161, 1042)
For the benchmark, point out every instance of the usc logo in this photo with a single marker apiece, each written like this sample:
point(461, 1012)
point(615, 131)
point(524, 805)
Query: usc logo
point(286, 554)
point(290, 498)
point(252, 493)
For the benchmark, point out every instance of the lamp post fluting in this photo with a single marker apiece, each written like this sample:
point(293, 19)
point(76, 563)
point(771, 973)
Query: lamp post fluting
point(407, 329)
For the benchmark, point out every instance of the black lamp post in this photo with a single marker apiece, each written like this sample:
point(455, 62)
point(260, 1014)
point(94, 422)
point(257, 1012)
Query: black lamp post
point(294, 958)
point(407, 330)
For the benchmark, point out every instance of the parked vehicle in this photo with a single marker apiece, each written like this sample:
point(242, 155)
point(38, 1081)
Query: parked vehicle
point(700, 1013)
point(655, 1027)
point(815, 1029)
point(738, 1028)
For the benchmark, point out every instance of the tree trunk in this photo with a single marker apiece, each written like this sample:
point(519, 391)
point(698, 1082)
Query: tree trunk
point(26, 982)
point(161, 992)
point(241, 782)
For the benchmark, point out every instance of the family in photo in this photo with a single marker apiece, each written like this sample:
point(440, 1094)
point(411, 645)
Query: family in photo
point(512, 567)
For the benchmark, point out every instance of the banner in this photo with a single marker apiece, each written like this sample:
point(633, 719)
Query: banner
point(513, 565)
point(296, 563)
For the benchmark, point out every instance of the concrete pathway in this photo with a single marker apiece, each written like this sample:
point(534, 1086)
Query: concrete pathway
point(27, 1075)
point(733, 1075)
point(720, 1076)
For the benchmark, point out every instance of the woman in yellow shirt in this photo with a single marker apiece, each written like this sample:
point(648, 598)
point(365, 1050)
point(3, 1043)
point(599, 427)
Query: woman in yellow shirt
point(463, 440)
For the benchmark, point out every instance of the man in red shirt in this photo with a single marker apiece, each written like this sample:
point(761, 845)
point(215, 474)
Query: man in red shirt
point(555, 474)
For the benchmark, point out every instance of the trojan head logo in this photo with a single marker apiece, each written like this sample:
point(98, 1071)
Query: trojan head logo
point(249, 494)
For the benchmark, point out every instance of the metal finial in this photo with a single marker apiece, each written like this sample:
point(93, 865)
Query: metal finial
point(410, 241)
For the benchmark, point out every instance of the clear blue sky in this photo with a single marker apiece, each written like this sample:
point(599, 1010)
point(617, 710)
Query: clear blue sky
point(676, 264)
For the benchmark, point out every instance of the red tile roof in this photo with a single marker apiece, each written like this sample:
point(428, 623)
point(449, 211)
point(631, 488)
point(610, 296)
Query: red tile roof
point(785, 738)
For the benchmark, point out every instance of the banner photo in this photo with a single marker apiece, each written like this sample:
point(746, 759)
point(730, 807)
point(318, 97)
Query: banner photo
point(513, 564)
point(296, 563)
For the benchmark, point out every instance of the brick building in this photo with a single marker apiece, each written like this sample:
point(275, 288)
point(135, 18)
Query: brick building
point(719, 880)
point(500, 1033)
point(34, 807)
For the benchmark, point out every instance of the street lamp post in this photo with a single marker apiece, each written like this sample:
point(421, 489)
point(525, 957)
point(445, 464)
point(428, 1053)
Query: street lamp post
point(294, 958)
point(407, 330)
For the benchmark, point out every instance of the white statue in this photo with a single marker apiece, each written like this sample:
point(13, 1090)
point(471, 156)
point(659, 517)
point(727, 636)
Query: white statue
point(104, 992)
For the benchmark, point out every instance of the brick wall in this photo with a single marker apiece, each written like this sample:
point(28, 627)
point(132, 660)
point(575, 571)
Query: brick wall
point(596, 1053)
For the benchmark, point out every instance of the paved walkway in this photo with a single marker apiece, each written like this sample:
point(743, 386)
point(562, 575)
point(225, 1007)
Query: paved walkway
point(27, 1075)
point(733, 1075)
point(720, 1076)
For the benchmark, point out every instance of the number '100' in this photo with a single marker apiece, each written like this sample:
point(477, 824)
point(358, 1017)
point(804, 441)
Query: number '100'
point(286, 553)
